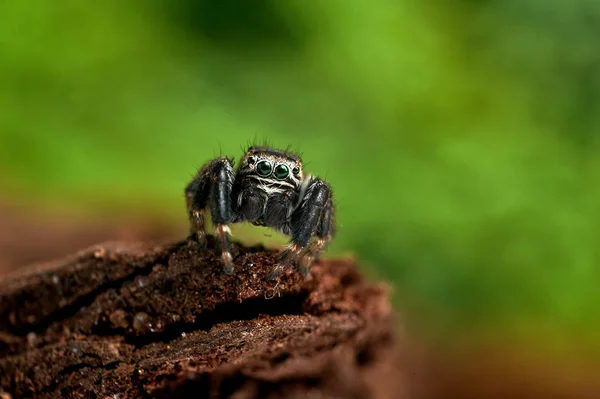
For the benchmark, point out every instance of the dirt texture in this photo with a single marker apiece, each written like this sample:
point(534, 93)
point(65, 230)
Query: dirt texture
point(138, 321)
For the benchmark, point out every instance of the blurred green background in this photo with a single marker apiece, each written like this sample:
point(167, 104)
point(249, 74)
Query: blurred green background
point(460, 137)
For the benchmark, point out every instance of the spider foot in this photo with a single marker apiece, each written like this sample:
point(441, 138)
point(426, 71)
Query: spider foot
point(275, 271)
point(305, 264)
point(228, 266)
point(304, 270)
point(202, 241)
point(287, 258)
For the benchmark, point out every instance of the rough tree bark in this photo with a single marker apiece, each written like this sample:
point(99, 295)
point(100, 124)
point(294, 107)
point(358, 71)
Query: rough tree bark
point(123, 321)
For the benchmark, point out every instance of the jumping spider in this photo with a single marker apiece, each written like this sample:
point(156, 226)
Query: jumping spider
point(268, 188)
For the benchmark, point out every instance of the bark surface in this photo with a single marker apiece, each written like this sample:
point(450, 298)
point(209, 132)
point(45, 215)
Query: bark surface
point(136, 321)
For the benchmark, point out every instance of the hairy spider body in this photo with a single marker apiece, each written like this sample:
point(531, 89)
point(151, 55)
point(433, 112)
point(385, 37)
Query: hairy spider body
point(268, 188)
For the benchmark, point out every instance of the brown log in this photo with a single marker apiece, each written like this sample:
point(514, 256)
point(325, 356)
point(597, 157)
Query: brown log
point(136, 321)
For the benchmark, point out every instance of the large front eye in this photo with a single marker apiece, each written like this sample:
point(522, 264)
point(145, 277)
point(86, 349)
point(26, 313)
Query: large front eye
point(264, 168)
point(281, 171)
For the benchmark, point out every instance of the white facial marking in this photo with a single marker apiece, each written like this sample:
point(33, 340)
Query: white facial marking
point(270, 190)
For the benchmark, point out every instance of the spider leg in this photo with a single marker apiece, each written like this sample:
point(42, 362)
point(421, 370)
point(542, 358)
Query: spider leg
point(197, 193)
point(325, 233)
point(310, 218)
point(212, 186)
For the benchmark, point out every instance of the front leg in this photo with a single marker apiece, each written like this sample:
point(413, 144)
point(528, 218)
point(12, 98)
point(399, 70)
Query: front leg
point(212, 186)
point(325, 233)
point(314, 217)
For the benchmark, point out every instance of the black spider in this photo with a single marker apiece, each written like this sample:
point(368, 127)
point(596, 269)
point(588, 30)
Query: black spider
point(268, 188)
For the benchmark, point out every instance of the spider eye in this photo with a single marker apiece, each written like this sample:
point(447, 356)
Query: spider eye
point(296, 170)
point(281, 171)
point(251, 160)
point(264, 168)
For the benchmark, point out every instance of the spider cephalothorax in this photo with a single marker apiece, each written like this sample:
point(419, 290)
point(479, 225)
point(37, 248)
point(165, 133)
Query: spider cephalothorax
point(268, 188)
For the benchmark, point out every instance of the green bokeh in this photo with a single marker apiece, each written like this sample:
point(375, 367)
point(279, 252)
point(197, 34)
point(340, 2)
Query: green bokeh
point(461, 138)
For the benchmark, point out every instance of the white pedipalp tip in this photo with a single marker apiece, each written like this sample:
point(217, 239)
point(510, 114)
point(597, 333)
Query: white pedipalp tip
point(223, 228)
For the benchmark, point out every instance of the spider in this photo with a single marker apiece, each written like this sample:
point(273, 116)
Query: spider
point(268, 188)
